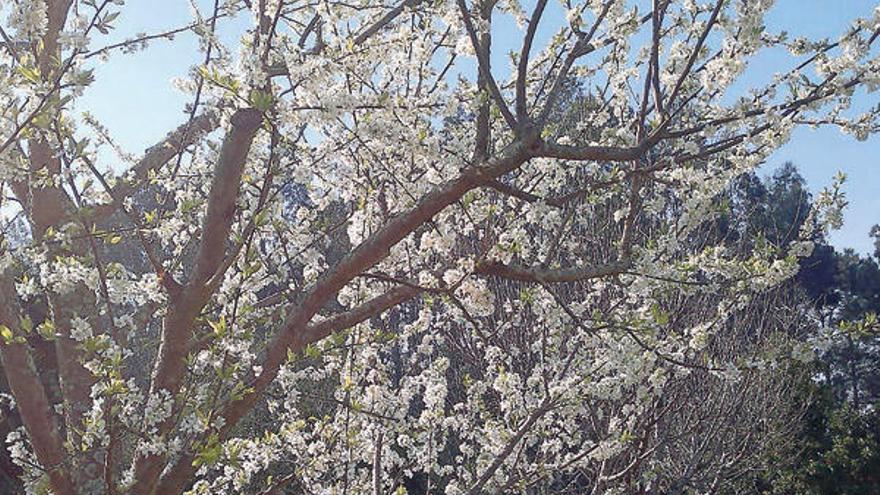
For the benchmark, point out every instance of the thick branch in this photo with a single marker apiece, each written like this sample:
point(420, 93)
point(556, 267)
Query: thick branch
point(377, 466)
point(177, 325)
point(36, 414)
point(377, 246)
point(224, 193)
point(30, 398)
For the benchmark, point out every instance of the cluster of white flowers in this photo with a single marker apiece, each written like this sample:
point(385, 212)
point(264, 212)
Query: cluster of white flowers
point(477, 296)
point(75, 38)
point(358, 136)
point(29, 19)
point(20, 451)
point(80, 329)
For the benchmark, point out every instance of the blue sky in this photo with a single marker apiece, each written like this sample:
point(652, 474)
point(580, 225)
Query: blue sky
point(134, 98)
point(819, 153)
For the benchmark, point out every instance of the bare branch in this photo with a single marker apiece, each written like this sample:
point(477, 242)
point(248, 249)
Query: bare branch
point(485, 67)
point(157, 156)
point(581, 47)
point(546, 275)
point(696, 52)
point(523, 68)
point(384, 21)
point(540, 411)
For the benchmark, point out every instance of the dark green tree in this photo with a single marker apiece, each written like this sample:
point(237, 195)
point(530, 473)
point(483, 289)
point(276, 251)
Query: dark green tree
point(838, 451)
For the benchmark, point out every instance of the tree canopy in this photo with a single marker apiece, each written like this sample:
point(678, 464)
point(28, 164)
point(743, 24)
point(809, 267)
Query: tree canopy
point(370, 261)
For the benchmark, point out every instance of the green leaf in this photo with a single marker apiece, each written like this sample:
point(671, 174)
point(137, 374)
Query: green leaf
point(660, 317)
point(84, 78)
point(6, 334)
point(251, 268)
point(26, 324)
point(219, 326)
point(240, 391)
point(311, 351)
point(31, 73)
point(47, 330)
point(188, 205)
point(81, 146)
point(261, 100)
point(262, 218)
point(210, 453)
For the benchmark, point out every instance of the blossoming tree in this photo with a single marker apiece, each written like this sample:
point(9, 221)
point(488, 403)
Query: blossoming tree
point(370, 259)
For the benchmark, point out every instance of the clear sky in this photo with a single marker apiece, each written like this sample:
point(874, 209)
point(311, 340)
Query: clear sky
point(133, 95)
point(819, 153)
